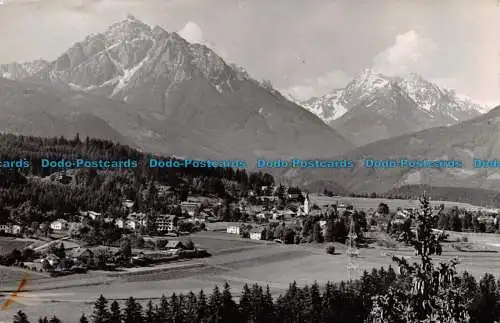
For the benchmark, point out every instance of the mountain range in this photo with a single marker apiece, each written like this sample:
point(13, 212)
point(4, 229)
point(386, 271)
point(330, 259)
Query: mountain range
point(477, 138)
point(151, 88)
point(374, 107)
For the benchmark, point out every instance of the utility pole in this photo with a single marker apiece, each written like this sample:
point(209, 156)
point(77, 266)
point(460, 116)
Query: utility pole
point(352, 250)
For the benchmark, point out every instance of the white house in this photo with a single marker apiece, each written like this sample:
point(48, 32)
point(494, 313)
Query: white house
point(16, 229)
point(119, 223)
point(128, 204)
point(190, 207)
point(59, 225)
point(91, 214)
point(233, 229)
point(256, 234)
point(165, 222)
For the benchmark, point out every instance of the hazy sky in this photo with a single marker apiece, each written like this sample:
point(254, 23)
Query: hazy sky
point(305, 47)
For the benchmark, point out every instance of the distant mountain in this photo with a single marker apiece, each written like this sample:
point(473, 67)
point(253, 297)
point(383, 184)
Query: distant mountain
point(18, 71)
point(478, 138)
point(195, 104)
point(374, 107)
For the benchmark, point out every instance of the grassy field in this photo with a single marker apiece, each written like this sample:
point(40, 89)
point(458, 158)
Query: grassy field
point(9, 244)
point(234, 260)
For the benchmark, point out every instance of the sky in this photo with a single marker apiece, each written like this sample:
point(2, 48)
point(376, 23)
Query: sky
point(306, 48)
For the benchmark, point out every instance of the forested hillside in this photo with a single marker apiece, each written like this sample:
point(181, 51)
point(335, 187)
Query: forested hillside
point(33, 195)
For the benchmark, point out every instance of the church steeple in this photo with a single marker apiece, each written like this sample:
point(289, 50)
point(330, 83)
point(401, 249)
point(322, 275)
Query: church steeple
point(306, 204)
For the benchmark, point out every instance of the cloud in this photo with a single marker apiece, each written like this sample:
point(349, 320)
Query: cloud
point(409, 53)
point(192, 33)
point(319, 86)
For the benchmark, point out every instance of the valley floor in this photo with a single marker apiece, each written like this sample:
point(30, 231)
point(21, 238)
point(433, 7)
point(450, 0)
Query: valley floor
point(235, 260)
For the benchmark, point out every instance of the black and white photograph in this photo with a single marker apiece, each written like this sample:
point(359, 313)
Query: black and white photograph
point(254, 161)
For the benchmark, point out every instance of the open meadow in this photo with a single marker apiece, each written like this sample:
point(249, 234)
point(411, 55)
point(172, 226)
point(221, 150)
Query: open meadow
point(235, 260)
point(8, 244)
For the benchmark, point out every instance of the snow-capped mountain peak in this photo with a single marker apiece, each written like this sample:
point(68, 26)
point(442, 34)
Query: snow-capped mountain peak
point(130, 52)
point(371, 87)
point(370, 81)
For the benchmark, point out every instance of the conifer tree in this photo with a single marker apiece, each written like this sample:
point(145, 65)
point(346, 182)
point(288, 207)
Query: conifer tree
point(268, 309)
point(314, 303)
point(245, 304)
point(176, 308)
point(215, 307)
point(202, 309)
point(150, 314)
point(163, 313)
point(191, 308)
point(101, 313)
point(230, 310)
point(132, 311)
point(115, 315)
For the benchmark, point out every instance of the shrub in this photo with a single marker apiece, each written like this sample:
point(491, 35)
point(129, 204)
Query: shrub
point(330, 250)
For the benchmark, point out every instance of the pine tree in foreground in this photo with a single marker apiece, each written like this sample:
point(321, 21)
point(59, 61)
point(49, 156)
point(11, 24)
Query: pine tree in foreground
point(132, 312)
point(115, 315)
point(101, 313)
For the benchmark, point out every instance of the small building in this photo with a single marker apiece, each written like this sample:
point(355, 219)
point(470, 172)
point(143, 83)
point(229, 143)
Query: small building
point(82, 254)
point(91, 214)
point(261, 216)
point(256, 234)
point(59, 225)
point(120, 223)
point(190, 207)
point(174, 244)
point(233, 229)
point(128, 204)
point(16, 229)
point(52, 260)
point(166, 222)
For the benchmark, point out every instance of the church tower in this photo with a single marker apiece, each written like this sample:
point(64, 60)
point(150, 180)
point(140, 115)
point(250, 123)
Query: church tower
point(306, 204)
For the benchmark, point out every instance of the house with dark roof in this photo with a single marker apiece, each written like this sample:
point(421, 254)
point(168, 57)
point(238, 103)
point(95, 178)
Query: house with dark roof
point(174, 244)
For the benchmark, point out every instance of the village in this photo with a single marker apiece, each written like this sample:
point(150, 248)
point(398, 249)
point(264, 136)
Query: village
point(277, 213)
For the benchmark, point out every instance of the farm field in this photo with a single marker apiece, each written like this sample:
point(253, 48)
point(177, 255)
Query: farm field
point(235, 260)
point(9, 244)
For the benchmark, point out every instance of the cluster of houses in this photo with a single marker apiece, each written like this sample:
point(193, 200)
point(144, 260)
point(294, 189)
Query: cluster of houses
point(135, 220)
point(78, 259)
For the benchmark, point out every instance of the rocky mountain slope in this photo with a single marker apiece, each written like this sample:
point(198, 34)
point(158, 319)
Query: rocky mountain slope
point(473, 139)
point(374, 107)
point(190, 102)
